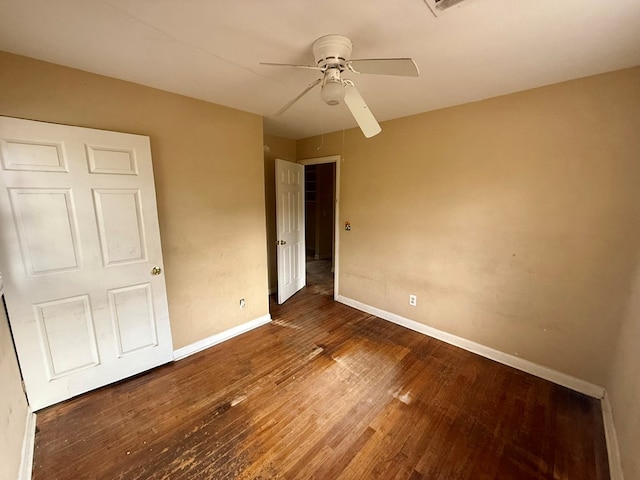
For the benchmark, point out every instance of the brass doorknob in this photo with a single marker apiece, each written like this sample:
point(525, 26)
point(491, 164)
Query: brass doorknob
point(156, 271)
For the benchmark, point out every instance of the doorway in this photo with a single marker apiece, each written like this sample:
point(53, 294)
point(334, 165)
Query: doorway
point(322, 190)
point(319, 225)
point(333, 257)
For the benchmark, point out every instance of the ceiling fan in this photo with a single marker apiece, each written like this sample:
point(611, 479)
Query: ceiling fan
point(333, 57)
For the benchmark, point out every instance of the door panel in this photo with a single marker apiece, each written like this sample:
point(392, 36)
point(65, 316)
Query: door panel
point(111, 161)
point(32, 156)
point(68, 335)
point(78, 247)
point(120, 225)
point(290, 222)
point(46, 223)
point(133, 319)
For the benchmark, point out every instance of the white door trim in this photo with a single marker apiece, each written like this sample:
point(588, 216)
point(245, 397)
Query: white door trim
point(28, 446)
point(336, 240)
point(613, 450)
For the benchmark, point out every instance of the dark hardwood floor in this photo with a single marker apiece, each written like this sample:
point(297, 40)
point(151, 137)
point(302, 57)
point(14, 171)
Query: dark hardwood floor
point(325, 392)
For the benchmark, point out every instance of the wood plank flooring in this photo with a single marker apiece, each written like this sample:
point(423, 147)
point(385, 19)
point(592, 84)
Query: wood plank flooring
point(325, 392)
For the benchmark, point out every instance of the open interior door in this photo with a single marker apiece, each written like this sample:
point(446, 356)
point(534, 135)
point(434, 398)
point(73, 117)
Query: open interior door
point(80, 253)
point(290, 228)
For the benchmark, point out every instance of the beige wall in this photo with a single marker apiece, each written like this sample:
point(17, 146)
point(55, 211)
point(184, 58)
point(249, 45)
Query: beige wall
point(274, 147)
point(512, 219)
point(623, 385)
point(209, 177)
point(13, 404)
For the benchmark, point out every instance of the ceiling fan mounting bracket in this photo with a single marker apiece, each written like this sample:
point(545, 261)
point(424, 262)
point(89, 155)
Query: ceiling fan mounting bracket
point(332, 74)
point(332, 51)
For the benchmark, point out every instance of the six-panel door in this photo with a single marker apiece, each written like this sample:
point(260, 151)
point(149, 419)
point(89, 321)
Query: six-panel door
point(78, 247)
point(291, 231)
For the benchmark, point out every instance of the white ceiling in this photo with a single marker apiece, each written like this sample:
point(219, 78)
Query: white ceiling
point(211, 49)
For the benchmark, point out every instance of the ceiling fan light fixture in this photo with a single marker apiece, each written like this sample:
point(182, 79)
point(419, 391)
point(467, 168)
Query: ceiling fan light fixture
point(332, 93)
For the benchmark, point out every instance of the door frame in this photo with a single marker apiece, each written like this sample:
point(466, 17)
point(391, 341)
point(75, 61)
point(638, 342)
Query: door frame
point(336, 234)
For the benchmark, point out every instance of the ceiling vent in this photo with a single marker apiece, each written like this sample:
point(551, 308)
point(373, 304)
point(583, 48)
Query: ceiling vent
point(438, 7)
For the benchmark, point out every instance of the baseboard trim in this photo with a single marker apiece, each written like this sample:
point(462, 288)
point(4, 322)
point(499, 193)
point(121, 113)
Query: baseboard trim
point(205, 343)
point(554, 376)
point(28, 446)
point(613, 452)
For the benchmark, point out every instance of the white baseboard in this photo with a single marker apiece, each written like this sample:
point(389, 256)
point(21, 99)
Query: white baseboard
point(554, 376)
point(615, 466)
point(28, 446)
point(205, 343)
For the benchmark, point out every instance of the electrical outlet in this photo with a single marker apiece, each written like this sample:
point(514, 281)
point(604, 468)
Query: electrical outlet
point(242, 303)
point(413, 300)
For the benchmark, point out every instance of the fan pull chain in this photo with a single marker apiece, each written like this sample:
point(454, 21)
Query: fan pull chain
point(321, 129)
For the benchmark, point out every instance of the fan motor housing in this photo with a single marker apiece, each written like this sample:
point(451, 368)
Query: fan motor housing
point(332, 51)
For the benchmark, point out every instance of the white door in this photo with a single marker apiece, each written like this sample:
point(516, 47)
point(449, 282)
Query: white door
point(80, 253)
point(290, 221)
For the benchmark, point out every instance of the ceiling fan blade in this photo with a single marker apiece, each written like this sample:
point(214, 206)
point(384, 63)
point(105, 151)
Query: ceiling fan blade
point(288, 105)
point(386, 66)
point(365, 119)
point(308, 67)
